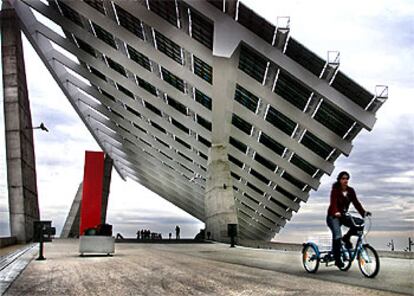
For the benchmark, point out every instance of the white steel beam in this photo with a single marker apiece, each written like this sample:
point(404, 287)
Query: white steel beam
point(228, 34)
point(269, 175)
point(42, 47)
point(269, 190)
point(302, 118)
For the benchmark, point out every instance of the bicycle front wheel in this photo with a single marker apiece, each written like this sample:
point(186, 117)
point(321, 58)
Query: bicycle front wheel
point(310, 259)
point(368, 261)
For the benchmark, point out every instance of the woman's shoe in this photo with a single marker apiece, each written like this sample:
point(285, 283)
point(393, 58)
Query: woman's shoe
point(339, 263)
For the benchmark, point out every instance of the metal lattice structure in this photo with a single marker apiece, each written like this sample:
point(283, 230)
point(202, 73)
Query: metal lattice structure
point(148, 80)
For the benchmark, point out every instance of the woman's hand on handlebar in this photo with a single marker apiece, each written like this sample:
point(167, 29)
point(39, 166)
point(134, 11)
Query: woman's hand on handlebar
point(338, 215)
point(368, 214)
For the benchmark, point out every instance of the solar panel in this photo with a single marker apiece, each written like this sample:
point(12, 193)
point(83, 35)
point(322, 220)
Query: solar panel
point(202, 29)
point(250, 185)
point(139, 58)
point(70, 13)
point(184, 143)
point(180, 126)
point(104, 35)
point(303, 164)
point(175, 81)
point(203, 99)
point(241, 124)
point(271, 144)
point(165, 9)
point(292, 90)
point(252, 63)
point(167, 156)
point(285, 193)
point(147, 86)
point(316, 145)
point(177, 105)
point(115, 66)
point(280, 121)
point(204, 141)
point(152, 108)
point(246, 98)
point(267, 163)
point(255, 23)
point(203, 155)
point(235, 161)
point(125, 91)
point(278, 203)
point(179, 120)
point(129, 22)
point(97, 73)
point(203, 122)
point(273, 212)
point(133, 111)
point(239, 145)
point(108, 95)
point(259, 176)
point(352, 90)
point(97, 4)
point(217, 3)
point(333, 119)
point(299, 184)
point(304, 57)
point(85, 47)
point(185, 156)
point(163, 143)
point(203, 70)
point(169, 47)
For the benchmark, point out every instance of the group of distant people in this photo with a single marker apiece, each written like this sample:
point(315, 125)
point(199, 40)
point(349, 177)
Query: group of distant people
point(147, 234)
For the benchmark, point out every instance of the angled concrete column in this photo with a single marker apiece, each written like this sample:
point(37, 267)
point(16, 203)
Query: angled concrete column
point(71, 226)
point(106, 186)
point(21, 168)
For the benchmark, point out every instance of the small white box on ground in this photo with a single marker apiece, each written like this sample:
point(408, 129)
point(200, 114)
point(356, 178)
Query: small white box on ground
point(96, 244)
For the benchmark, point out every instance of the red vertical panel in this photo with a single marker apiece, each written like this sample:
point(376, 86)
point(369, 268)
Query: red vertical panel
point(92, 190)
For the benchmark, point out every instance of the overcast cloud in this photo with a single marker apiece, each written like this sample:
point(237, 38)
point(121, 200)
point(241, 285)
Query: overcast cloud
point(376, 41)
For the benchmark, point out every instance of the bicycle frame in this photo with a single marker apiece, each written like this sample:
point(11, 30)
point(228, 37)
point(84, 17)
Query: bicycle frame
point(327, 256)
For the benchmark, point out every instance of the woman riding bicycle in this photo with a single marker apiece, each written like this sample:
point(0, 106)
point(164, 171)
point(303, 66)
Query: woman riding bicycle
point(341, 197)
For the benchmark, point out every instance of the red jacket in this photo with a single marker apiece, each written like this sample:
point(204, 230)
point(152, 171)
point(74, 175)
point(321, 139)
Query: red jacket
point(340, 203)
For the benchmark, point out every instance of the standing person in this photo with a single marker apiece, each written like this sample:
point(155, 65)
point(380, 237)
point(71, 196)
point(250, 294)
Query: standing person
point(169, 235)
point(138, 234)
point(177, 232)
point(341, 197)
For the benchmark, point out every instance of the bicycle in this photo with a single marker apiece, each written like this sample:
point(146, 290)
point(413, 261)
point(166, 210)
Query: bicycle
point(368, 260)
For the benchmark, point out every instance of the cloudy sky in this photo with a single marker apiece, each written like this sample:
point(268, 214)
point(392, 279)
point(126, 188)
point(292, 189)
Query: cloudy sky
point(376, 41)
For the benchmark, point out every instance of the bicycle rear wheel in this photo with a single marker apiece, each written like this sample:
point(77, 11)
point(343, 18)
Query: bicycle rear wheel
point(368, 261)
point(310, 258)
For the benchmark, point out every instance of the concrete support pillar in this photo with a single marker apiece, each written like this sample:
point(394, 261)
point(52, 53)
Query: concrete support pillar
point(21, 168)
point(219, 203)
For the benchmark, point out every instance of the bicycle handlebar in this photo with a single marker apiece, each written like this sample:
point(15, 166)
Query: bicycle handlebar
point(352, 218)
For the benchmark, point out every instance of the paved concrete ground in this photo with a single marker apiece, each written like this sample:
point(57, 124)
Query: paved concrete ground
point(211, 269)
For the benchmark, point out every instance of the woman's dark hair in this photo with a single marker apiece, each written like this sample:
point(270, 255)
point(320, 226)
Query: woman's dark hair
point(337, 184)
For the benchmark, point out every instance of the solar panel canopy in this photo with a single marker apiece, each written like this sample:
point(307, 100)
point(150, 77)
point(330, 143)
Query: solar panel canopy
point(161, 83)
